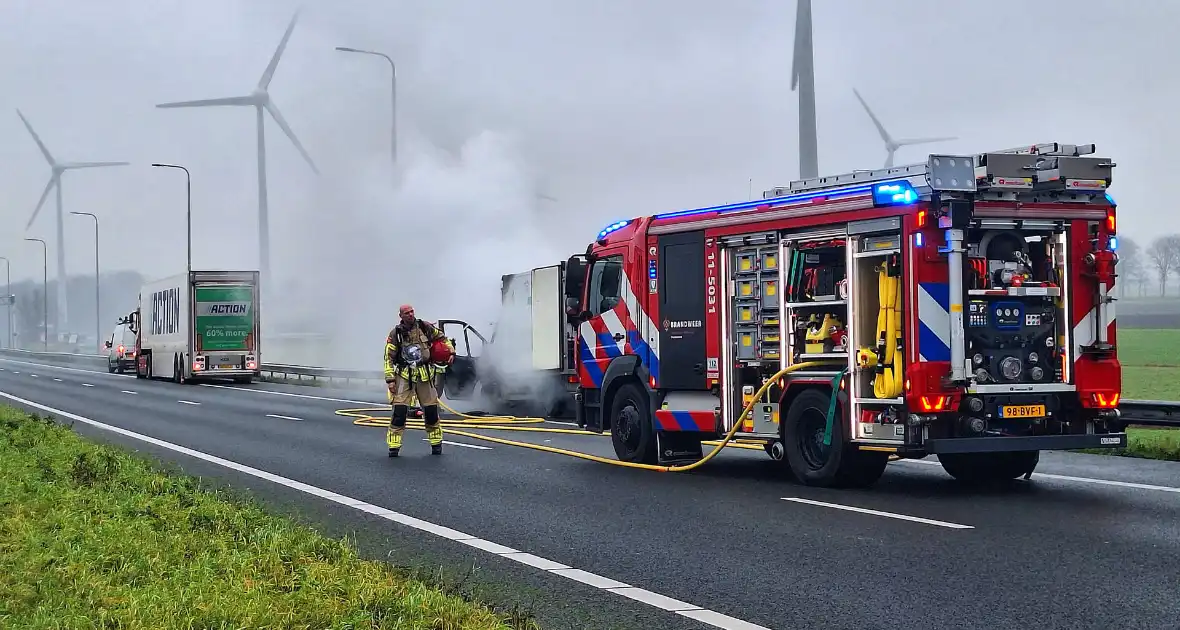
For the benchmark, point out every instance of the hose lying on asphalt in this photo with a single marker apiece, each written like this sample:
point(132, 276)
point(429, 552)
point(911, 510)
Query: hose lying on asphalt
point(503, 423)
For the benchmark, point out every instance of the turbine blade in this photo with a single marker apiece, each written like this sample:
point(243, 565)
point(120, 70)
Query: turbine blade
point(69, 165)
point(274, 113)
point(212, 102)
point(876, 123)
point(36, 138)
point(803, 44)
point(269, 73)
point(910, 141)
point(40, 202)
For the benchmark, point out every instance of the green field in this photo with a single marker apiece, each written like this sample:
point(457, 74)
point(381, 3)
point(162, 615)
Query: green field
point(1151, 371)
point(94, 537)
point(1151, 363)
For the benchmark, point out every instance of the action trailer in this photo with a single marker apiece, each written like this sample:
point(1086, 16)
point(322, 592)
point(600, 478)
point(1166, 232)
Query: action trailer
point(199, 324)
point(959, 307)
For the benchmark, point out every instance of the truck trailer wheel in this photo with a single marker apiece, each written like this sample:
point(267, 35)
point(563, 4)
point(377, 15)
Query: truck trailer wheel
point(631, 430)
point(839, 464)
point(975, 468)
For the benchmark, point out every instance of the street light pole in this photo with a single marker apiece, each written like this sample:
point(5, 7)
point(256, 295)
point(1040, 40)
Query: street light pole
point(97, 310)
point(392, 100)
point(188, 192)
point(44, 293)
point(8, 294)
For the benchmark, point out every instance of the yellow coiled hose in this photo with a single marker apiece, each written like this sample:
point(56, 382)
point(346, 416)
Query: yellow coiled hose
point(889, 381)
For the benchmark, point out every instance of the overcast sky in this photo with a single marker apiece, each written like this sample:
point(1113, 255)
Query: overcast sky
point(614, 108)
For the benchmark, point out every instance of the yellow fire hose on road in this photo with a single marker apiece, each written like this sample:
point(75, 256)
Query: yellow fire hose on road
point(503, 423)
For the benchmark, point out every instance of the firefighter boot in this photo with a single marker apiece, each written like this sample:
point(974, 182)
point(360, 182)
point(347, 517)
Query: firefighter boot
point(433, 430)
point(397, 426)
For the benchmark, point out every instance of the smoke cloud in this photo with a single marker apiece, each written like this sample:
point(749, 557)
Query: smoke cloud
point(438, 235)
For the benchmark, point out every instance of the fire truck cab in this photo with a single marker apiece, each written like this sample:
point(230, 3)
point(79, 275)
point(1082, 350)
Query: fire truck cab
point(959, 307)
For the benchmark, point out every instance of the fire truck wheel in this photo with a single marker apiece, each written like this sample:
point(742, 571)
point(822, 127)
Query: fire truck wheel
point(631, 430)
point(814, 464)
point(975, 468)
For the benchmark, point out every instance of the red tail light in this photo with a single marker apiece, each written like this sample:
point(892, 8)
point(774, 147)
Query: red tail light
point(1110, 221)
point(934, 403)
point(121, 349)
point(1105, 400)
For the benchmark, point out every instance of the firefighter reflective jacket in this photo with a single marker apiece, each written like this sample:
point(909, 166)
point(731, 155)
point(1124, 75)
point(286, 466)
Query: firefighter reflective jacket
point(423, 335)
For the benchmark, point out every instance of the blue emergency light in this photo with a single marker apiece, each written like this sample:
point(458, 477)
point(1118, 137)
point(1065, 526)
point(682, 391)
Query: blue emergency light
point(1114, 243)
point(894, 194)
point(613, 227)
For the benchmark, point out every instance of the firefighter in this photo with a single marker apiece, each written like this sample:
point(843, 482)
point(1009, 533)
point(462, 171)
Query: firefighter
point(414, 350)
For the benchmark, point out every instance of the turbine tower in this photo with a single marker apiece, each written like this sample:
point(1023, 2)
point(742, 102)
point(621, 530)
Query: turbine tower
point(892, 145)
point(260, 100)
point(55, 183)
point(803, 78)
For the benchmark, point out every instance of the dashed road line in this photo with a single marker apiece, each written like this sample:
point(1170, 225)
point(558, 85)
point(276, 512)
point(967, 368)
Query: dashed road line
point(903, 517)
point(477, 447)
point(275, 415)
point(33, 375)
point(188, 402)
point(127, 391)
point(684, 609)
point(57, 380)
point(87, 385)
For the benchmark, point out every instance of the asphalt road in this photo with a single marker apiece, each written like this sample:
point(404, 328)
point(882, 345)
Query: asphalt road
point(1089, 542)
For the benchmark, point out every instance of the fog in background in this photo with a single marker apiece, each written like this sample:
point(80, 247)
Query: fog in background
point(525, 126)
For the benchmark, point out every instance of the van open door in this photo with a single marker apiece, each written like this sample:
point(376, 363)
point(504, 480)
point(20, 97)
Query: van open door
point(460, 379)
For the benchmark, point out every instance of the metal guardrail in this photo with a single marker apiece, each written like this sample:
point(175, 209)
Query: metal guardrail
point(1152, 413)
point(300, 372)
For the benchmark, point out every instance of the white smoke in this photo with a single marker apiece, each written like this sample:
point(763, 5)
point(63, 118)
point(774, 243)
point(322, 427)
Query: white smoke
point(440, 239)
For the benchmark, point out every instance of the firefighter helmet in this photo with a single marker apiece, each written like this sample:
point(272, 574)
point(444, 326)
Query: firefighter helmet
point(440, 352)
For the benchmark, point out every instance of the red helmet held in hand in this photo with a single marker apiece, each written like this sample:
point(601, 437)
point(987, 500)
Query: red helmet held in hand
point(441, 353)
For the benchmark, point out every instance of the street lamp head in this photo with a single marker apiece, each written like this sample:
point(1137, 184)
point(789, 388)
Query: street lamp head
point(346, 49)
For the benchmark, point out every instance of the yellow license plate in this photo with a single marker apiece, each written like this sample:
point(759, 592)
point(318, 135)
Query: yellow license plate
point(1022, 411)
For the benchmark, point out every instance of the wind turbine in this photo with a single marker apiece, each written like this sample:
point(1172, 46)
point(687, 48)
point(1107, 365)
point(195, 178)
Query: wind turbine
point(892, 145)
point(803, 78)
point(55, 182)
point(260, 100)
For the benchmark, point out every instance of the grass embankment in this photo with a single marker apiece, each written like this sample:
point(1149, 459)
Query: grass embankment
point(1151, 371)
point(94, 537)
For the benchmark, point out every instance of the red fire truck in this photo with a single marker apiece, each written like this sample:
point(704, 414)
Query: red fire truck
point(959, 307)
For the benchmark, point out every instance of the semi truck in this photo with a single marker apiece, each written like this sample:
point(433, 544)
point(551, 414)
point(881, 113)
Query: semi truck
point(199, 325)
point(959, 307)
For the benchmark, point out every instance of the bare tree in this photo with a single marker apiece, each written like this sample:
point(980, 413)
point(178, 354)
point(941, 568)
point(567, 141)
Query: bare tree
point(1132, 268)
point(1164, 254)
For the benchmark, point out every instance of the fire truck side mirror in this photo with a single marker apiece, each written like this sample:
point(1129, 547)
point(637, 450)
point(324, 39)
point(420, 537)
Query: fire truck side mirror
point(575, 277)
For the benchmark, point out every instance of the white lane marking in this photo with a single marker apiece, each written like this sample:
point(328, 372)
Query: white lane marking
point(474, 446)
point(188, 402)
point(275, 415)
point(1100, 482)
point(33, 375)
point(691, 611)
point(57, 380)
point(87, 385)
point(903, 517)
point(62, 367)
point(127, 391)
point(293, 395)
point(15, 372)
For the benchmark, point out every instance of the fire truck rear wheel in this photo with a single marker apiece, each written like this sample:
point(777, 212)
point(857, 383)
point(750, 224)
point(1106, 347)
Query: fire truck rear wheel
point(814, 464)
point(631, 430)
point(974, 468)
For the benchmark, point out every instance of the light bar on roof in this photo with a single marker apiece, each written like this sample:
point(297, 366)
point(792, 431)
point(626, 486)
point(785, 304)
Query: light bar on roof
point(613, 227)
point(894, 194)
point(904, 193)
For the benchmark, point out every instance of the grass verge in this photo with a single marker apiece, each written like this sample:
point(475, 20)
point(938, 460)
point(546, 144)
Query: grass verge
point(92, 536)
point(1147, 443)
